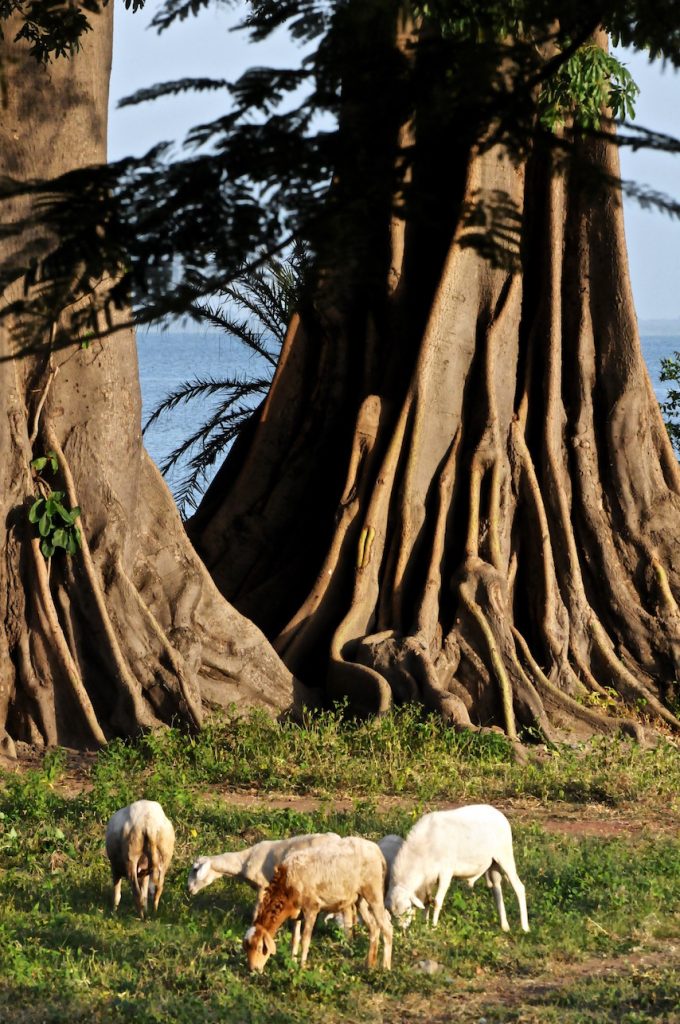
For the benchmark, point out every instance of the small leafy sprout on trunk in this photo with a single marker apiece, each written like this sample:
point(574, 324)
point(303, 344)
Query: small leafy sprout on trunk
point(56, 524)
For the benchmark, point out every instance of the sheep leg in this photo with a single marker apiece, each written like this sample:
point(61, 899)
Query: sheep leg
point(510, 871)
point(442, 889)
point(493, 880)
point(144, 889)
point(136, 889)
point(158, 889)
point(310, 921)
point(349, 919)
point(295, 941)
point(116, 892)
point(385, 924)
point(369, 920)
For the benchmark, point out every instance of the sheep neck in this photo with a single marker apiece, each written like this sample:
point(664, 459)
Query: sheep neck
point(227, 863)
point(277, 906)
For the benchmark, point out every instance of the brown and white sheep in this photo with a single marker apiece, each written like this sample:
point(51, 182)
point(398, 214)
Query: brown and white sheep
point(140, 842)
point(334, 878)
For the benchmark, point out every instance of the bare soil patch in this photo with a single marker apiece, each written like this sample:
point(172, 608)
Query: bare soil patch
point(577, 819)
point(568, 818)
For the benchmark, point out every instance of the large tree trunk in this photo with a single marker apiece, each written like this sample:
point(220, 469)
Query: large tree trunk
point(130, 631)
point(460, 490)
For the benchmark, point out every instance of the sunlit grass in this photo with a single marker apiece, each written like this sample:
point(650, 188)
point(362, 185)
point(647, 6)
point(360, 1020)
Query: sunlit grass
point(65, 957)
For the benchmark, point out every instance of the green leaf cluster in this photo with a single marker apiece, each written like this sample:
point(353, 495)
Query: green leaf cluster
point(587, 83)
point(56, 524)
point(42, 460)
point(51, 28)
point(670, 371)
point(165, 227)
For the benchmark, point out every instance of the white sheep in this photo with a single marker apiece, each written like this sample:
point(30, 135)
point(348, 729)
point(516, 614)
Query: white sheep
point(334, 877)
point(140, 842)
point(254, 865)
point(390, 846)
point(465, 843)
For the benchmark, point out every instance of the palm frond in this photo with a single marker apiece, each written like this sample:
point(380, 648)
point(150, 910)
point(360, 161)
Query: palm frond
point(174, 88)
point(187, 391)
point(267, 295)
point(240, 330)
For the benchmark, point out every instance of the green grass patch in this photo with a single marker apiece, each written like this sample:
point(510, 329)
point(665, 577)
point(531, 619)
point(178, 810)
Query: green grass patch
point(65, 957)
point(403, 753)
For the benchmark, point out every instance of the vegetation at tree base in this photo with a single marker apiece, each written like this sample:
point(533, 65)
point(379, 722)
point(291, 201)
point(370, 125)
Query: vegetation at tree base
point(602, 940)
point(458, 489)
point(404, 753)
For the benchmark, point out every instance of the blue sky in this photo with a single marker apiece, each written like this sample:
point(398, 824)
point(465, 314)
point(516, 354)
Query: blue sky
point(205, 47)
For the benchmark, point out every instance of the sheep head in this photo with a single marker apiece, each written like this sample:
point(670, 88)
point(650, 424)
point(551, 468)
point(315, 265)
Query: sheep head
point(259, 946)
point(401, 902)
point(201, 874)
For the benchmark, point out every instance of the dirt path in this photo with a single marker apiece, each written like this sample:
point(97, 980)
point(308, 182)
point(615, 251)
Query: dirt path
point(567, 818)
point(562, 818)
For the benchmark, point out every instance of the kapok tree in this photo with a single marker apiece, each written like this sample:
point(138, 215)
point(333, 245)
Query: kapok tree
point(109, 623)
point(459, 490)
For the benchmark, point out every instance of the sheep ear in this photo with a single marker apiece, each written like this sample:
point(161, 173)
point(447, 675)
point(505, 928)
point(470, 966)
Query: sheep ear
point(417, 903)
point(203, 870)
point(269, 943)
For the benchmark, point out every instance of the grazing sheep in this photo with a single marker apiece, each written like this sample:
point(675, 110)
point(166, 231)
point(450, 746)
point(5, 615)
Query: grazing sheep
point(334, 877)
point(255, 865)
point(465, 843)
point(389, 846)
point(140, 841)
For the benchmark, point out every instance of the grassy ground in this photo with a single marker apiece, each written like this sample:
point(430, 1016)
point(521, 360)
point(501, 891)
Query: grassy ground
point(603, 902)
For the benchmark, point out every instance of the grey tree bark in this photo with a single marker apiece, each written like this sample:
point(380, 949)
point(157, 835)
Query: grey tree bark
point(130, 632)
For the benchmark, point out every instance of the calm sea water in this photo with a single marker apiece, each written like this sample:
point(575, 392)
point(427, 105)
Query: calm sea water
point(167, 359)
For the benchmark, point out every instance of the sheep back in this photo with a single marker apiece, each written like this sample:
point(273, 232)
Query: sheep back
point(465, 840)
point(335, 876)
point(139, 833)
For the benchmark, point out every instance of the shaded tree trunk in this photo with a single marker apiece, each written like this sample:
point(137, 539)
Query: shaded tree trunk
point(460, 490)
point(130, 631)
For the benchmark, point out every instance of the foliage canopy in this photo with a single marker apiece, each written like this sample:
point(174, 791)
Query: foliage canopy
point(165, 229)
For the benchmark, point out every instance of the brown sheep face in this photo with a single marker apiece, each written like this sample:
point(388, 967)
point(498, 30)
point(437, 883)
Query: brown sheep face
point(259, 946)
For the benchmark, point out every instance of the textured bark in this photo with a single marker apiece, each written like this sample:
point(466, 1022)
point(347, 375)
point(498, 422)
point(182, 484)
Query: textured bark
point(460, 490)
point(131, 631)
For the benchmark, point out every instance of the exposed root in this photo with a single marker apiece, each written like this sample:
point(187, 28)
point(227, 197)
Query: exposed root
point(504, 683)
point(476, 475)
point(305, 624)
point(41, 695)
point(366, 690)
point(626, 683)
point(406, 665)
point(54, 370)
point(129, 685)
point(428, 612)
point(70, 669)
point(599, 721)
point(190, 696)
